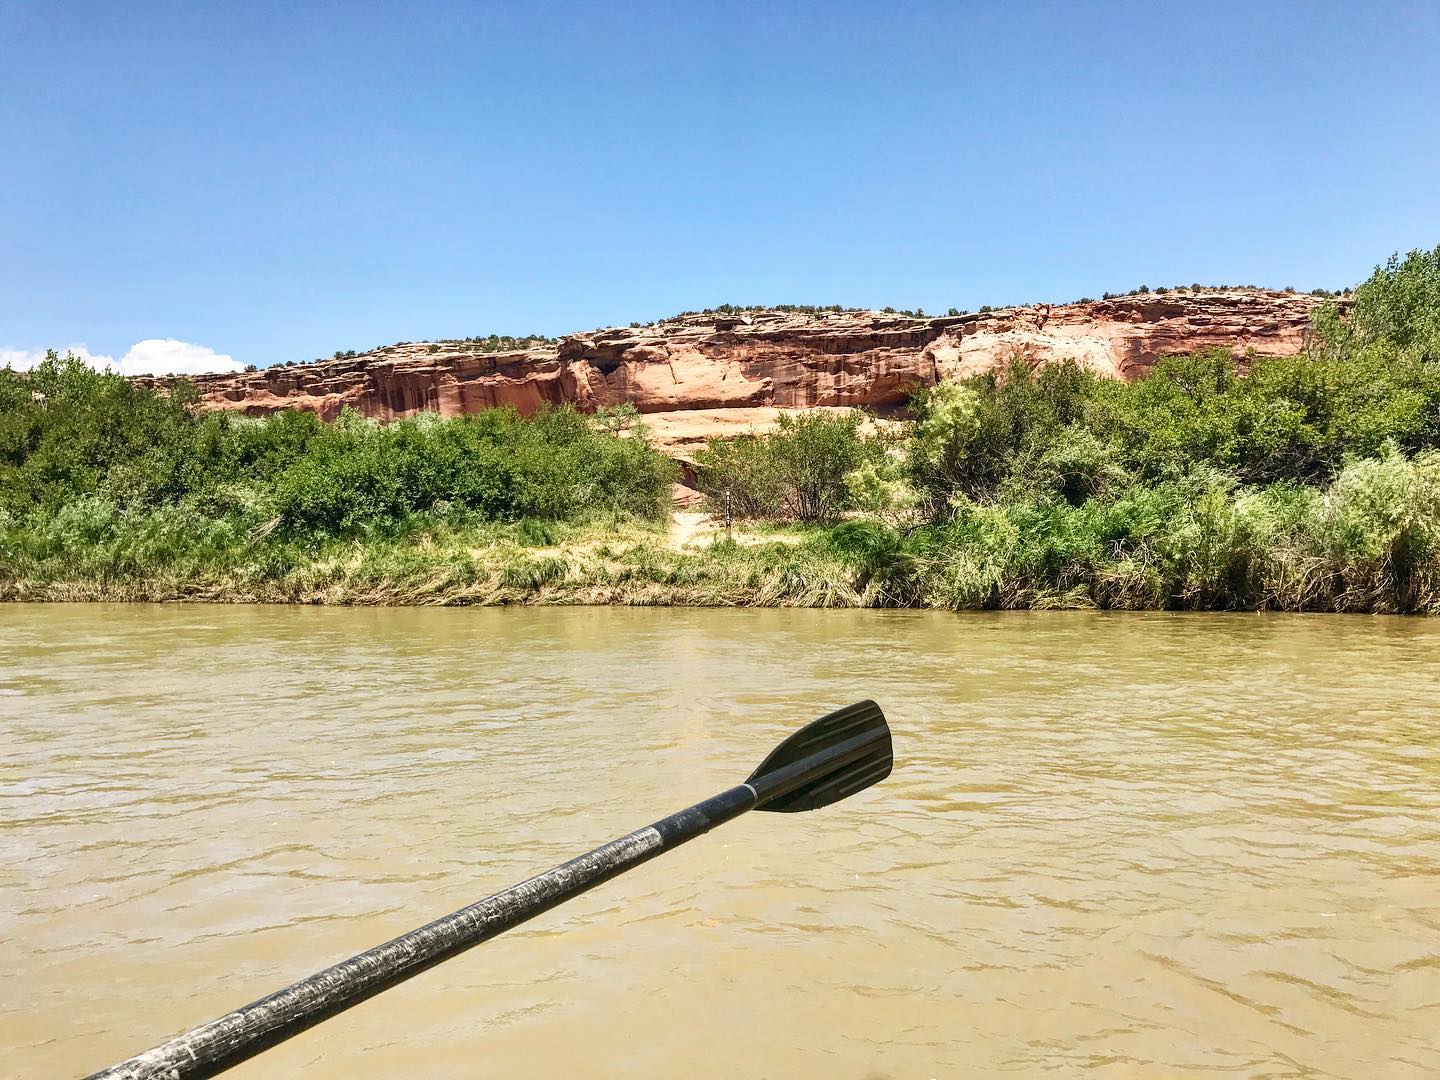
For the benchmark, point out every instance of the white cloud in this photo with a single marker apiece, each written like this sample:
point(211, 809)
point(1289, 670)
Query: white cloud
point(19, 359)
point(153, 356)
point(25, 359)
point(166, 356)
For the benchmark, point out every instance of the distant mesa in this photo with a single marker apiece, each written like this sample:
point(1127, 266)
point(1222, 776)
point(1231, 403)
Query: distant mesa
point(725, 372)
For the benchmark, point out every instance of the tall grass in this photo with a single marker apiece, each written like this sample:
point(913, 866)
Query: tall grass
point(1368, 541)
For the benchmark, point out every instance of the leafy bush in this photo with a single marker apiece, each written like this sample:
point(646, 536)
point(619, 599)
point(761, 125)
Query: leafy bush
point(495, 464)
point(1290, 418)
point(1383, 520)
point(1399, 304)
point(739, 477)
point(797, 473)
point(973, 438)
point(67, 430)
point(880, 488)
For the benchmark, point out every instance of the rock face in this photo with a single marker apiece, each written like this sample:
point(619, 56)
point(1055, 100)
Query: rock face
point(705, 375)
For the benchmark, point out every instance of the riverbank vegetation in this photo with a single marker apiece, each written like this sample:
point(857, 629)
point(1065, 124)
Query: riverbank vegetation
point(1302, 483)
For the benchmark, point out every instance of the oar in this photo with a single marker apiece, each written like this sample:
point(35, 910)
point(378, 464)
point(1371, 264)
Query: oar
point(824, 762)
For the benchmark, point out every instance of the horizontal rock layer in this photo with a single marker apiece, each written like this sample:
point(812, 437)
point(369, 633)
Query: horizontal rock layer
point(705, 375)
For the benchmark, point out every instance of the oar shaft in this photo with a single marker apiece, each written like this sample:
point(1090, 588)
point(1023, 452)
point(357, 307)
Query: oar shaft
point(234, 1037)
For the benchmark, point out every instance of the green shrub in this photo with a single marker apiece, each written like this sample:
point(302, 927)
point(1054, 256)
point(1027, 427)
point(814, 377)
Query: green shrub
point(67, 430)
point(739, 477)
point(1399, 304)
point(1381, 528)
point(1290, 418)
point(971, 439)
point(498, 465)
point(797, 472)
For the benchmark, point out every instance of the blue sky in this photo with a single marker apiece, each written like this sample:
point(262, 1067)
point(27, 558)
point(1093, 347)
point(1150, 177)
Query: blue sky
point(275, 182)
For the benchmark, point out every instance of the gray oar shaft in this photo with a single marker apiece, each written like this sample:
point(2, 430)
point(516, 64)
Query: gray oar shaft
point(827, 760)
point(247, 1031)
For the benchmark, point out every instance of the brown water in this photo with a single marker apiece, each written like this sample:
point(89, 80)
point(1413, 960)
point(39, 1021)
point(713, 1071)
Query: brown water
point(1123, 845)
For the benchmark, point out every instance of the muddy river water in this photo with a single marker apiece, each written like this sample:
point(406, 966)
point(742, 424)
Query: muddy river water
point(1112, 845)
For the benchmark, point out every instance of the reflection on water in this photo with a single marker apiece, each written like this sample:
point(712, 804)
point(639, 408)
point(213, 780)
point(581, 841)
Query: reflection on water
point(1120, 845)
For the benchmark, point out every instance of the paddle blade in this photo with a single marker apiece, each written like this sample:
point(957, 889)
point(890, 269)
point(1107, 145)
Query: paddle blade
point(825, 761)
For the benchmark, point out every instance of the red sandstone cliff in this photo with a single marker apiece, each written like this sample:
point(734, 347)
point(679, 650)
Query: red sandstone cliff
point(708, 375)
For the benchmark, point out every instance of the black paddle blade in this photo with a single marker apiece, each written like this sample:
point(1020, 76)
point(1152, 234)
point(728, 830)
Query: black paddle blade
point(825, 761)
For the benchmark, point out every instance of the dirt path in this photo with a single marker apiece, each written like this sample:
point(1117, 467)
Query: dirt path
point(695, 529)
point(691, 528)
